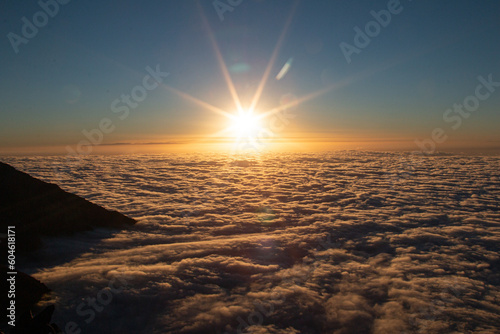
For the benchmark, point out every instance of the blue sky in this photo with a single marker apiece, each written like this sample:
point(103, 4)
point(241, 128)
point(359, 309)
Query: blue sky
point(396, 89)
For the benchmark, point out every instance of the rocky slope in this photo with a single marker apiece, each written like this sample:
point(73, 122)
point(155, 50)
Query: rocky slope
point(37, 208)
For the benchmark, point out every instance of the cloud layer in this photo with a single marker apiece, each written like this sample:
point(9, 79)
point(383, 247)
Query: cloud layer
point(303, 243)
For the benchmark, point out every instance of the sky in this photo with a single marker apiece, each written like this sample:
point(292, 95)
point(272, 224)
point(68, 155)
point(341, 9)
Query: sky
point(350, 80)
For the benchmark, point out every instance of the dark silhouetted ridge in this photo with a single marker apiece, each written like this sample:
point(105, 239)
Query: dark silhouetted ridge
point(28, 291)
point(37, 208)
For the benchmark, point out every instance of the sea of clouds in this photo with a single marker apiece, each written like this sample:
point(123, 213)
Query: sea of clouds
point(344, 242)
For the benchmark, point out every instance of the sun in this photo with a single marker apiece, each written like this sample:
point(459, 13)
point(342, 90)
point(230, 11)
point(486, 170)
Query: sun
point(245, 124)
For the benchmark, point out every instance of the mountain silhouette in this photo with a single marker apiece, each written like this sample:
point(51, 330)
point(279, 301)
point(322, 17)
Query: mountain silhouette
point(37, 208)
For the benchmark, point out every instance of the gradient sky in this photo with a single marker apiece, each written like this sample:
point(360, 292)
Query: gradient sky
point(394, 91)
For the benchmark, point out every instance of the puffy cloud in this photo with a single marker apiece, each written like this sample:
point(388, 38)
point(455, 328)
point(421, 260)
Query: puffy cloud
point(303, 243)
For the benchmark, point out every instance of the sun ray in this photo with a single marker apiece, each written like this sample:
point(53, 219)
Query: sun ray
point(220, 59)
point(337, 85)
point(240, 111)
point(295, 103)
point(272, 60)
point(197, 101)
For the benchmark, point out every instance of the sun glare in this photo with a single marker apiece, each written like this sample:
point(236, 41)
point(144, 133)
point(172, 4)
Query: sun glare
point(245, 124)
